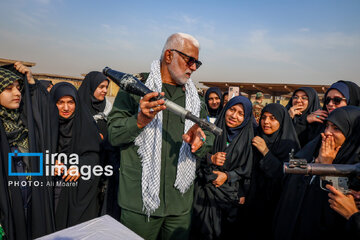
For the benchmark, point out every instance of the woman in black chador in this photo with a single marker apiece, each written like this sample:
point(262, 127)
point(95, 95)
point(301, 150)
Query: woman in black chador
point(303, 102)
point(219, 189)
point(92, 92)
point(303, 211)
point(77, 134)
point(214, 102)
point(275, 139)
point(27, 119)
point(340, 94)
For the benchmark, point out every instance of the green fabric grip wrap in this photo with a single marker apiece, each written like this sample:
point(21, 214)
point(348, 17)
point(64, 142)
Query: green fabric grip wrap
point(2, 233)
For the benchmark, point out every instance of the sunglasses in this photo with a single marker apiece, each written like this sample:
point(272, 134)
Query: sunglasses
point(336, 100)
point(302, 97)
point(190, 60)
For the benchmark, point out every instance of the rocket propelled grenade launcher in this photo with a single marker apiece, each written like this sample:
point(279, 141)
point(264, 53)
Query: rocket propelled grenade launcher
point(131, 84)
point(336, 175)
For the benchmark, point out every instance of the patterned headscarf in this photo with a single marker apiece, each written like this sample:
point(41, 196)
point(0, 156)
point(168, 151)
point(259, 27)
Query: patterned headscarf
point(16, 132)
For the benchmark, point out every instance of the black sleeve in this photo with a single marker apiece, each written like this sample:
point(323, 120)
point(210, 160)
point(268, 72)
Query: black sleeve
point(354, 225)
point(271, 166)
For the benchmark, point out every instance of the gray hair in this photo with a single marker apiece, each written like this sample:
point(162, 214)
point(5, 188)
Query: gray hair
point(176, 41)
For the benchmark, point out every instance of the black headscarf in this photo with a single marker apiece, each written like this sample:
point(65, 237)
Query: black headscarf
point(350, 90)
point(77, 134)
point(266, 179)
point(86, 91)
point(313, 104)
point(214, 112)
point(39, 116)
point(210, 199)
point(46, 83)
point(65, 124)
point(304, 207)
point(301, 125)
point(281, 142)
point(347, 119)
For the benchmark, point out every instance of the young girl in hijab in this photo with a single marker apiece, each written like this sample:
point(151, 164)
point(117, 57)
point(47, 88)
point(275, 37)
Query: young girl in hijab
point(26, 123)
point(214, 103)
point(303, 102)
point(303, 211)
point(92, 92)
point(77, 134)
point(276, 138)
point(219, 189)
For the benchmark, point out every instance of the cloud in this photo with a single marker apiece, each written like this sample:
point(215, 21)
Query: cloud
point(304, 30)
point(106, 26)
point(259, 46)
point(189, 20)
point(327, 40)
point(43, 1)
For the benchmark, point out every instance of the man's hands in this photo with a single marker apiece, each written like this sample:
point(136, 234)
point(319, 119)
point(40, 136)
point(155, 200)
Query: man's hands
point(21, 68)
point(148, 109)
point(317, 116)
point(221, 178)
point(260, 144)
point(328, 151)
point(195, 137)
point(218, 158)
point(342, 204)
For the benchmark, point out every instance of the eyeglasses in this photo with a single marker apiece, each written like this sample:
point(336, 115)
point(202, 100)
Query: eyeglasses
point(302, 97)
point(190, 60)
point(336, 100)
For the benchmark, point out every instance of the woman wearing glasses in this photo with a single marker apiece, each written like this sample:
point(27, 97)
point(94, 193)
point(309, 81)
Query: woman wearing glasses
point(303, 102)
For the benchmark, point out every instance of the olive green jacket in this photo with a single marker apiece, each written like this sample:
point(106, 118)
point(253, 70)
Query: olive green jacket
point(122, 129)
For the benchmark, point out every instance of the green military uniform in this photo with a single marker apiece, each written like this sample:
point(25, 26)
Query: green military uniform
point(257, 108)
point(122, 127)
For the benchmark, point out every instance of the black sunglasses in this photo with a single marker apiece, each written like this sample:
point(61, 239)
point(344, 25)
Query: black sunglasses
point(336, 100)
point(190, 61)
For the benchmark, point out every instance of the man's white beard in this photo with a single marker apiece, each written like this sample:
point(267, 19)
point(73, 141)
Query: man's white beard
point(179, 80)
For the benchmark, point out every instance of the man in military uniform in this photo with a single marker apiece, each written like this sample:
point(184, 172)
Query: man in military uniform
point(157, 167)
point(257, 105)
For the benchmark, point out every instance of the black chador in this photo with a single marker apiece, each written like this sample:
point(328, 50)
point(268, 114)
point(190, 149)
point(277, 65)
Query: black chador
point(216, 208)
point(214, 113)
point(302, 127)
point(77, 134)
point(26, 212)
point(266, 183)
point(99, 108)
point(109, 155)
point(303, 211)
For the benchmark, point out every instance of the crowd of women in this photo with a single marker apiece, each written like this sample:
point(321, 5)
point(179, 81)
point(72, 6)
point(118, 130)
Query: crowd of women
point(35, 118)
point(240, 189)
point(251, 197)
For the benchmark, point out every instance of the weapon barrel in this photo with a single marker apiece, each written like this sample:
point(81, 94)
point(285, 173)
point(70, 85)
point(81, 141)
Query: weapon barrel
point(324, 169)
point(131, 84)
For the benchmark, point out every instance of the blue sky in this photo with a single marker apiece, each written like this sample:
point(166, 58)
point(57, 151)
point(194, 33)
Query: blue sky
point(308, 41)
